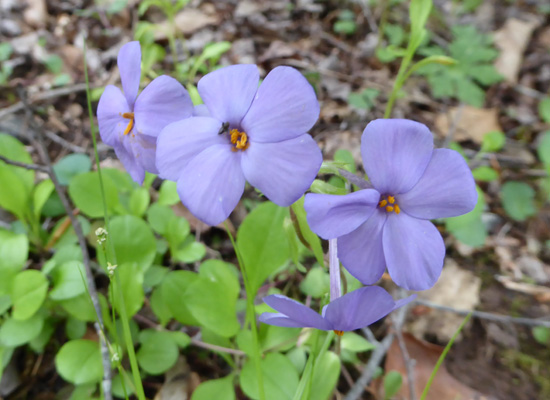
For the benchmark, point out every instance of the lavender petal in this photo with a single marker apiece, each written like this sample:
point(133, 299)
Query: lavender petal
point(129, 65)
point(304, 316)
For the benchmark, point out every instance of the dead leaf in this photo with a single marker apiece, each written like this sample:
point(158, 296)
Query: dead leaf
point(512, 40)
point(278, 49)
point(444, 386)
point(542, 293)
point(36, 13)
point(472, 123)
point(457, 288)
point(188, 21)
point(180, 382)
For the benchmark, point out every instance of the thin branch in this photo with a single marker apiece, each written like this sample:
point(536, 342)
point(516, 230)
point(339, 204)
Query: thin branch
point(409, 362)
point(59, 140)
point(34, 167)
point(214, 347)
point(43, 152)
point(487, 316)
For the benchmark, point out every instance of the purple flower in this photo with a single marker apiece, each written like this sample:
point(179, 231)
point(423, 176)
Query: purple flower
point(354, 310)
point(246, 133)
point(131, 123)
point(389, 225)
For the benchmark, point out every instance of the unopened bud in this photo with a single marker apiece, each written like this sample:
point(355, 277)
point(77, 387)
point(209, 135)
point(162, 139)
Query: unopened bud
point(111, 269)
point(101, 234)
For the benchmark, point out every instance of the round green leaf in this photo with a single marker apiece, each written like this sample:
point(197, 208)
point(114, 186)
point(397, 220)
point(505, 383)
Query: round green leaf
point(28, 293)
point(517, 200)
point(158, 353)
point(174, 295)
point(316, 283)
point(159, 217)
point(280, 378)
point(14, 332)
point(168, 193)
point(392, 384)
point(139, 201)
point(79, 362)
point(85, 193)
point(131, 280)
point(219, 389)
point(40, 196)
point(68, 280)
point(70, 166)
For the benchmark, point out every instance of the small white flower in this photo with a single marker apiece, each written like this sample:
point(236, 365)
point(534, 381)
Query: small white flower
point(111, 269)
point(101, 234)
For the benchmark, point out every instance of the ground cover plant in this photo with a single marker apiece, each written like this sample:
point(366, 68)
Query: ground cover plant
point(274, 200)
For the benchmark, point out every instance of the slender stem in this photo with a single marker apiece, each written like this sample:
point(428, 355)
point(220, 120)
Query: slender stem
point(33, 167)
point(442, 357)
point(334, 270)
point(122, 306)
point(399, 81)
point(250, 295)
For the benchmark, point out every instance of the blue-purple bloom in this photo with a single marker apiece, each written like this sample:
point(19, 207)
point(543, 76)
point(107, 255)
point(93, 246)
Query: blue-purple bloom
point(244, 133)
point(131, 123)
point(354, 310)
point(388, 225)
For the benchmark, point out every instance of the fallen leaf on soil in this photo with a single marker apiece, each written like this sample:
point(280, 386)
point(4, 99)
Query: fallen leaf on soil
point(512, 40)
point(444, 386)
point(472, 123)
point(188, 21)
point(35, 14)
point(180, 382)
point(457, 288)
point(542, 293)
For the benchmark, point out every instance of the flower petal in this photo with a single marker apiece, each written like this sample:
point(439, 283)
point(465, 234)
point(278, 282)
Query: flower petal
point(200, 110)
point(361, 251)
point(136, 171)
point(144, 149)
point(228, 92)
point(181, 141)
point(162, 102)
point(212, 183)
point(395, 154)
point(359, 308)
point(304, 316)
point(283, 171)
point(110, 108)
point(414, 251)
point(447, 188)
point(401, 302)
point(285, 107)
point(331, 216)
point(129, 64)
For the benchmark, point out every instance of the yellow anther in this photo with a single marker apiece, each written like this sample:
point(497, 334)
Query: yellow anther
point(339, 333)
point(389, 208)
point(397, 209)
point(239, 139)
point(391, 199)
point(383, 203)
point(130, 126)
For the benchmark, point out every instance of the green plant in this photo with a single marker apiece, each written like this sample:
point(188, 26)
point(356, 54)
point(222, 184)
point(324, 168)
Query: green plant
point(345, 24)
point(473, 70)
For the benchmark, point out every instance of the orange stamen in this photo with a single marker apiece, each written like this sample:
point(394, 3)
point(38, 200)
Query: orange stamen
point(130, 126)
point(239, 139)
point(339, 333)
point(397, 209)
point(391, 199)
point(382, 203)
point(389, 208)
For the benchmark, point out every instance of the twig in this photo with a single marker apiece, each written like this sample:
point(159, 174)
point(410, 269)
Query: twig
point(376, 358)
point(43, 152)
point(214, 347)
point(487, 316)
point(409, 362)
point(59, 140)
point(34, 167)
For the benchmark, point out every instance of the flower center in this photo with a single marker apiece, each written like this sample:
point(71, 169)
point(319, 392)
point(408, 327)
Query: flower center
point(130, 126)
point(389, 204)
point(239, 139)
point(339, 333)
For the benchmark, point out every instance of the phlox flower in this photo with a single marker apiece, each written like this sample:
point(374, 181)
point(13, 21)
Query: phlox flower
point(243, 133)
point(354, 310)
point(388, 225)
point(131, 123)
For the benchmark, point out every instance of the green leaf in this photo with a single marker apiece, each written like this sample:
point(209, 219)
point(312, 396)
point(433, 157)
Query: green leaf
point(40, 195)
point(215, 50)
point(392, 384)
point(216, 311)
point(177, 231)
point(158, 353)
point(363, 100)
point(325, 376)
point(543, 148)
point(518, 200)
point(419, 10)
point(28, 293)
point(345, 27)
point(160, 307)
point(13, 149)
point(316, 283)
point(131, 284)
point(262, 242)
point(139, 201)
point(174, 294)
point(159, 216)
point(14, 251)
point(542, 335)
point(85, 193)
point(5, 303)
point(15, 333)
point(469, 228)
point(279, 376)
point(544, 109)
point(486, 74)
point(355, 343)
point(311, 238)
point(154, 276)
point(277, 338)
point(68, 280)
point(15, 200)
point(133, 240)
point(468, 92)
point(192, 252)
point(218, 389)
point(70, 166)
point(79, 362)
point(38, 343)
point(493, 141)
point(75, 328)
point(485, 174)
point(54, 63)
point(80, 307)
point(168, 193)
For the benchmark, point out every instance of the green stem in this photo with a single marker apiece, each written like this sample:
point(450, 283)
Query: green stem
point(250, 295)
point(122, 309)
point(442, 357)
point(399, 81)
